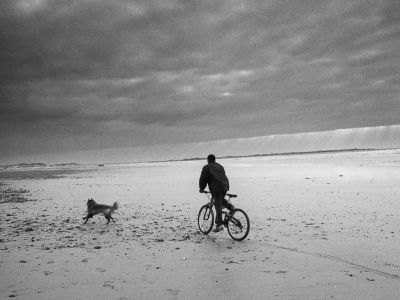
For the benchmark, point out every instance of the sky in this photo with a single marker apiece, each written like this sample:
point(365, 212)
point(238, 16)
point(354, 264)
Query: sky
point(77, 75)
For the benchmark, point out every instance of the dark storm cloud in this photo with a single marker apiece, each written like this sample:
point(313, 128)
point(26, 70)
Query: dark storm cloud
point(195, 70)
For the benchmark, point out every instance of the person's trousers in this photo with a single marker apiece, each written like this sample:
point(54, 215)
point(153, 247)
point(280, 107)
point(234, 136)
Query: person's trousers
point(219, 203)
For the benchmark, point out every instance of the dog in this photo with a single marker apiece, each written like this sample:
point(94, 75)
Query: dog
point(93, 208)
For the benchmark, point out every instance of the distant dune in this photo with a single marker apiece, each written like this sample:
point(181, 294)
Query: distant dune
point(382, 137)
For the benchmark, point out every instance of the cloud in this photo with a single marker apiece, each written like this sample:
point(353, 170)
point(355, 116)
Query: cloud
point(221, 69)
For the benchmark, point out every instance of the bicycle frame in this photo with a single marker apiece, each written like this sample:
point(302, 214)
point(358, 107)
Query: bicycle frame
point(225, 216)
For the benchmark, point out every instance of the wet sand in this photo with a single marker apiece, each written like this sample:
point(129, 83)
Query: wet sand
point(323, 226)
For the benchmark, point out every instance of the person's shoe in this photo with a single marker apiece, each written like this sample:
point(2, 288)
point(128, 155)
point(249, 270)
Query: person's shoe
point(218, 228)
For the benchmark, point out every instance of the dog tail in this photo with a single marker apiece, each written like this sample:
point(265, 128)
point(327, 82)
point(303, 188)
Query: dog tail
point(115, 206)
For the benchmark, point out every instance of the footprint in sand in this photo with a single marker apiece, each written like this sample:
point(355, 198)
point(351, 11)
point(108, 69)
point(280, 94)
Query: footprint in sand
point(109, 284)
point(173, 292)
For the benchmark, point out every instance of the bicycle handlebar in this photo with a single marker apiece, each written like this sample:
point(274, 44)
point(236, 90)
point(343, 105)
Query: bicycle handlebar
point(229, 195)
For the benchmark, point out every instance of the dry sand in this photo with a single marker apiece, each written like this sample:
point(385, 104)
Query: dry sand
point(324, 226)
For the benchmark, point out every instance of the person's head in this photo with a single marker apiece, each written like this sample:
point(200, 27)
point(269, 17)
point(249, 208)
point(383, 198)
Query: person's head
point(211, 158)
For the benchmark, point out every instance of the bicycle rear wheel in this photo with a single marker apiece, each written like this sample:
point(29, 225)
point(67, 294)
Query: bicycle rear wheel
point(205, 219)
point(238, 225)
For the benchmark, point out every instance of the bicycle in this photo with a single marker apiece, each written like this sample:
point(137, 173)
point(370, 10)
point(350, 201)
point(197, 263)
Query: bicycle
point(236, 221)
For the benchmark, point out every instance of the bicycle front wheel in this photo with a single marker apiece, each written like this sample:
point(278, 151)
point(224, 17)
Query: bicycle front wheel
point(205, 219)
point(238, 225)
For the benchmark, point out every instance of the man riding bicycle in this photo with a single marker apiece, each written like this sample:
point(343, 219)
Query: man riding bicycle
point(213, 174)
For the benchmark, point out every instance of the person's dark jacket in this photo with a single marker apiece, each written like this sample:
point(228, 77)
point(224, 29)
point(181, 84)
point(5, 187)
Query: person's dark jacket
point(213, 174)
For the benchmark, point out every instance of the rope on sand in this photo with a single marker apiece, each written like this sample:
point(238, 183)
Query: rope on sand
point(334, 258)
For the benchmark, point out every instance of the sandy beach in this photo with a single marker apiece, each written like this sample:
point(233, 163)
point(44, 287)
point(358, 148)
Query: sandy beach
point(123, 101)
point(323, 226)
